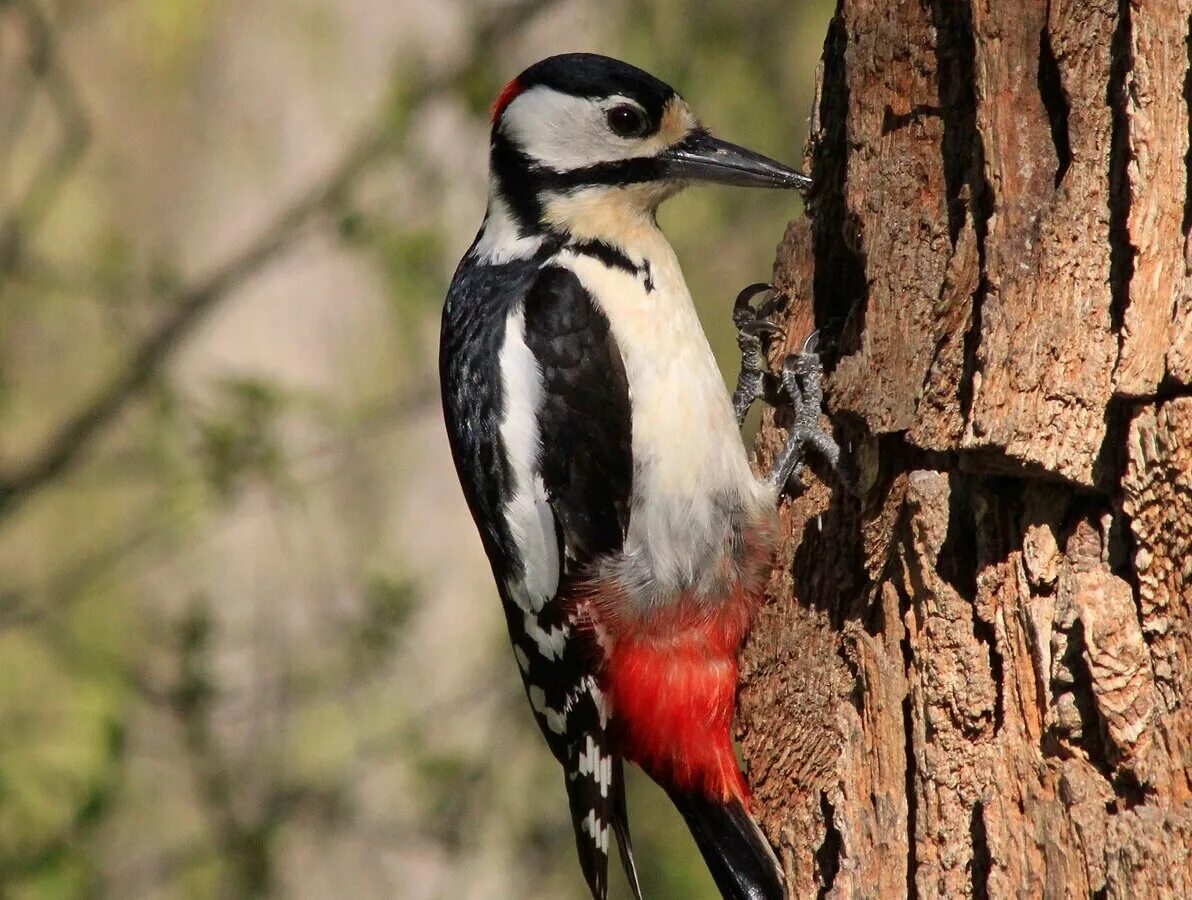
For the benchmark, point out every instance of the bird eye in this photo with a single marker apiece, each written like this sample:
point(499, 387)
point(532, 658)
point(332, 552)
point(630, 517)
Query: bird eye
point(627, 121)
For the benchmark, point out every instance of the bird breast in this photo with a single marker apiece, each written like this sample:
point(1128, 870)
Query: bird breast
point(695, 500)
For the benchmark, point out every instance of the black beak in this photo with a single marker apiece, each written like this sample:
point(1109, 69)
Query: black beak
point(701, 157)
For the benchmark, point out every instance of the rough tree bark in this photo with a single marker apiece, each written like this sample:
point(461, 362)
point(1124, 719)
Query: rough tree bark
point(975, 677)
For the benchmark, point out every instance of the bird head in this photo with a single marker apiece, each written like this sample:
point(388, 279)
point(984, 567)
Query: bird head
point(580, 137)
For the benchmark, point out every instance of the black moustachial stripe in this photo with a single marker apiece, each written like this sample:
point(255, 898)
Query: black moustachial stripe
point(522, 181)
point(606, 253)
point(614, 258)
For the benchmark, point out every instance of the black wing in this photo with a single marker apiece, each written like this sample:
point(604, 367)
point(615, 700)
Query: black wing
point(500, 324)
point(586, 466)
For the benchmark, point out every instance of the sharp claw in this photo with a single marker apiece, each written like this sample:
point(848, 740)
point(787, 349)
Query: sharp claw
point(758, 327)
point(743, 313)
point(748, 293)
point(811, 345)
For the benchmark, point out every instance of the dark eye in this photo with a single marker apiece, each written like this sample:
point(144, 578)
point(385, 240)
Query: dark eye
point(627, 121)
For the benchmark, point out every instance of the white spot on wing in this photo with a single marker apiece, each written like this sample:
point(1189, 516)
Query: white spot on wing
point(600, 701)
point(523, 661)
point(555, 720)
point(550, 643)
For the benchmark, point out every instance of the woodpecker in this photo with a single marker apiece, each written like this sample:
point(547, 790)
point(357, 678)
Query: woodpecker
point(601, 457)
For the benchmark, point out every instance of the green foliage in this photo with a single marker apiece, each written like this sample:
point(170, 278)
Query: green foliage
point(238, 436)
point(411, 260)
point(389, 603)
point(54, 792)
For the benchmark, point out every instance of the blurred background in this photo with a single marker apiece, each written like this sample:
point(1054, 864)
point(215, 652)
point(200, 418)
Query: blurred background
point(249, 644)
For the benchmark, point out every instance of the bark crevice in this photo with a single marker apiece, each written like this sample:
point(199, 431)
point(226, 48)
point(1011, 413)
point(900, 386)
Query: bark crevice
point(912, 803)
point(955, 54)
point(982, 861)
point(839, 287)
point(1056, 103)
point(1186, 224)
point(827, 857)
point(1122, 252)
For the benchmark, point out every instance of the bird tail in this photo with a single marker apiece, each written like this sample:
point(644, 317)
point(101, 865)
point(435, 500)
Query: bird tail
point(741, 861)
point(621, 827)
point(593, 811)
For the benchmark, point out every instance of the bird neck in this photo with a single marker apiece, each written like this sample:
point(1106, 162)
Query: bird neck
point(624, 217)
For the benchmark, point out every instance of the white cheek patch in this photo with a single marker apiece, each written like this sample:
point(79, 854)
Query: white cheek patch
point(563, 132)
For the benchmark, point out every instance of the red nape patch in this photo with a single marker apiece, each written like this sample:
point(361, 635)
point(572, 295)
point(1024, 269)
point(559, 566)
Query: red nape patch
point(511, 90)
point(673, 692)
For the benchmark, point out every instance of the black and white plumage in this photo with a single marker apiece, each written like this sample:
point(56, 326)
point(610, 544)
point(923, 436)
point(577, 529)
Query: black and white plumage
point(599, 452)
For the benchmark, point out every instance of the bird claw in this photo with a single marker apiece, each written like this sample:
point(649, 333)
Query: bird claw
point(801, 380)
point(743, 311)
point(759, 327)
point(754, 333)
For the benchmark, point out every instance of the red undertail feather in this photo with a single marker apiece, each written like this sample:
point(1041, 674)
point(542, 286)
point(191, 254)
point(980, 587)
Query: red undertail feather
point(510, 91)
point(673, 689)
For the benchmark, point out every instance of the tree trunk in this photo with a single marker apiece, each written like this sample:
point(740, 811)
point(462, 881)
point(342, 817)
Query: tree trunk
point(973, 677)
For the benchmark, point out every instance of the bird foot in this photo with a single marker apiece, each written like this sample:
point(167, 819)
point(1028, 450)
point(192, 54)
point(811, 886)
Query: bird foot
point(754, 333)
point(801, 379)
point(800, 382)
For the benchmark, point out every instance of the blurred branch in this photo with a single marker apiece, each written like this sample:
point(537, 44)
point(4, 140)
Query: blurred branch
point(247, 841)
point(191, 304)
point(47, 69)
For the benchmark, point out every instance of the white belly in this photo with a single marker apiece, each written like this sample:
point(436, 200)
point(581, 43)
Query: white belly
point(692, 486)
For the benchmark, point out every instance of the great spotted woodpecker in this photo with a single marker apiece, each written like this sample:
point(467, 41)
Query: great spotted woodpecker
point(601, 455)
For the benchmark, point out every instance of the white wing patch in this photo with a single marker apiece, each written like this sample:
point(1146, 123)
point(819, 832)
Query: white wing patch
point(598, 698)
point(523, 661)
point(528, 514)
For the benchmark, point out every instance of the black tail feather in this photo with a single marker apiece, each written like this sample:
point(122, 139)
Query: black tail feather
point(590, 814)
point(621, 827)
point(738, 855)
